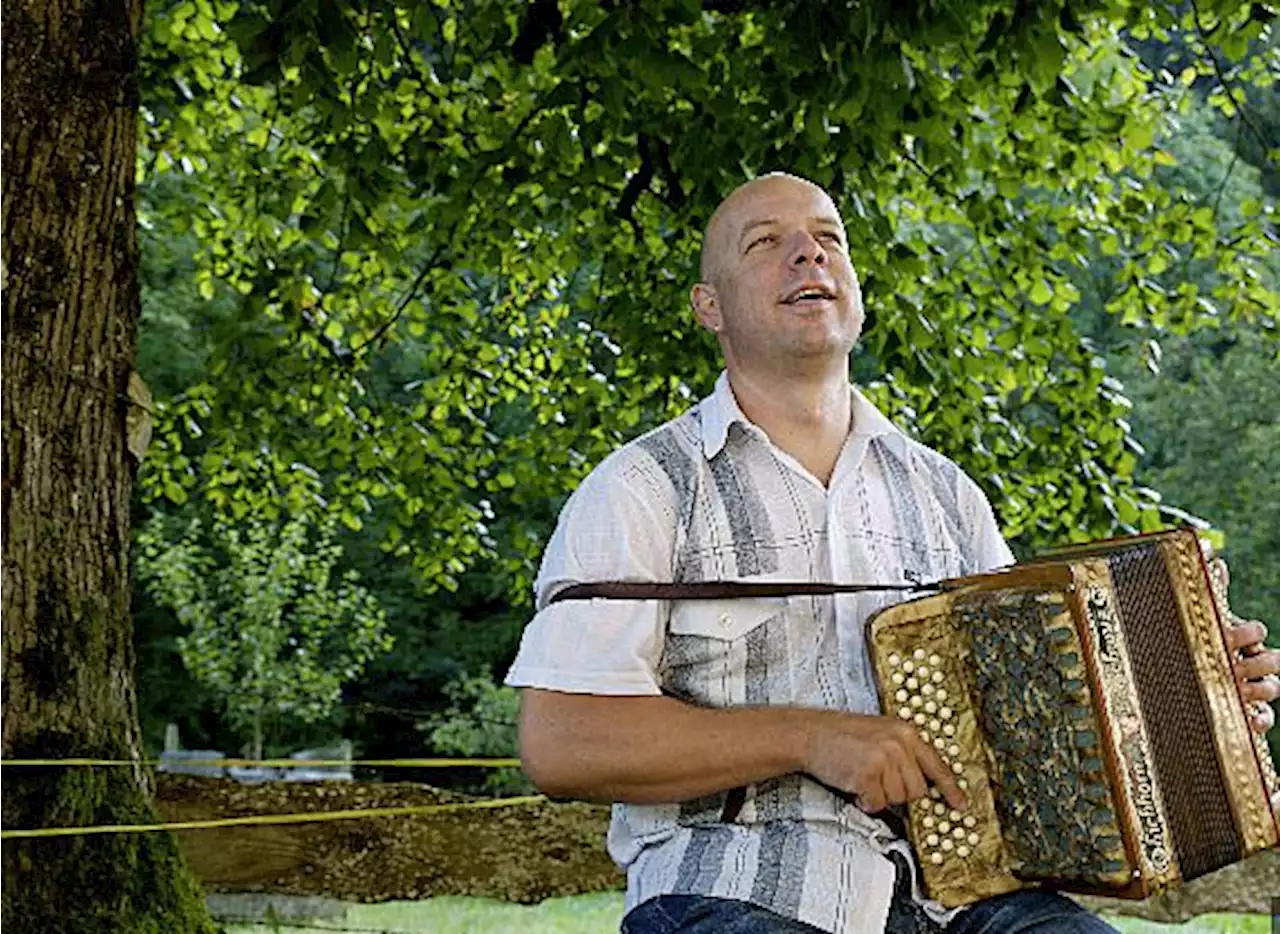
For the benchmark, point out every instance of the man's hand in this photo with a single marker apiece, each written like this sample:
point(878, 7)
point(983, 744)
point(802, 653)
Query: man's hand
point(1256, 669)
point(881, 760)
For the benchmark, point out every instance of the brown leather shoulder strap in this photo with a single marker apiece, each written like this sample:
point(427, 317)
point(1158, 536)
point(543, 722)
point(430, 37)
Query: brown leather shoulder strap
point(721, 590)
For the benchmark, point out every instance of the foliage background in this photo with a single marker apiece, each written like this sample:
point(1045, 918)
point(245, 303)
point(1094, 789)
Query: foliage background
point(418, 268)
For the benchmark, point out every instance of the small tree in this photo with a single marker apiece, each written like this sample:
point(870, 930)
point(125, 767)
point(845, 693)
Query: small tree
point(272, 630)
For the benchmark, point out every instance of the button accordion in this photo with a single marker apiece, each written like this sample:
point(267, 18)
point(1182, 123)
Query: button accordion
point(1086, 703)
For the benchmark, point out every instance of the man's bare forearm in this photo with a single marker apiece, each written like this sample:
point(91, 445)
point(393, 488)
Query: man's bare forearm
point(647, 750)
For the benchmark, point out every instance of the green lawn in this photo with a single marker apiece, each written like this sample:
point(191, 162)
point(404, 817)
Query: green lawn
point(599, 914)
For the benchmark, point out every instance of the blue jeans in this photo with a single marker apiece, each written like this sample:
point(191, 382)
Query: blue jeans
point(1026, 912)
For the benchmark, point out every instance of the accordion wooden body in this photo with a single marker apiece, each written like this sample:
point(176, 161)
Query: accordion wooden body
point(1087, 705)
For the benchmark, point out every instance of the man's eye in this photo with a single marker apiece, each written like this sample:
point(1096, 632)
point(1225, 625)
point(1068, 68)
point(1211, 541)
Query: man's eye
point(832, 237)
point(766, 239)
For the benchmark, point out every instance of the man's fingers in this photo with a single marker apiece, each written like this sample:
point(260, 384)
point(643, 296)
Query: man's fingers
point(1264, 690)
point(1262, 718)
point(1262, 665)
point(872, 800)
point(1246, 634)
point(938, 772)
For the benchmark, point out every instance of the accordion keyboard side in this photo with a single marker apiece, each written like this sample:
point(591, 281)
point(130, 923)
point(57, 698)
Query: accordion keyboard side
point(923, 668)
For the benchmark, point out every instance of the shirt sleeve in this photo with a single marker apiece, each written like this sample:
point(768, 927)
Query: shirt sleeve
point(991, 551)
point(613, 528)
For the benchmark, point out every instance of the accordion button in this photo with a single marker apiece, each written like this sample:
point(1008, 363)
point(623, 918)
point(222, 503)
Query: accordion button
point(948, 845)
point(953, 750)
point(963, 850)
point(955, 815)
point(930, 707)
point(917, 700)
point(901, 696)
point(929, 822)
point(936, 859)
point(920, 719)
point(908, 666)
point(895, 660)
point(918, 655)
point(904, 713)
point(958, 833)
point(939, 744)
point(973, 838)
point(937, 677)
point(897, 677)
point(957, 767)
point(970, 821)
point(963, 783)
point(935, 661)
point(924, 735)
point(945, 713)
point(922, 671)
point(927, 690)
point(935, 724)
point(942, 694)
point(939, 808)
point(944, 827)
point(931, 840)
point(949, 729)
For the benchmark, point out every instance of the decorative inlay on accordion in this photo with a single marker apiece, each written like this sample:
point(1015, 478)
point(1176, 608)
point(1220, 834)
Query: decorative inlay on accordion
point(1087, 705)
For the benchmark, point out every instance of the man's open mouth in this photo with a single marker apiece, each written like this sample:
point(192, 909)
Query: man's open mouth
point(809, 293)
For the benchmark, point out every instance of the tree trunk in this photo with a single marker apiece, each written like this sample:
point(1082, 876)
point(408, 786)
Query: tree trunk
point(70, 297)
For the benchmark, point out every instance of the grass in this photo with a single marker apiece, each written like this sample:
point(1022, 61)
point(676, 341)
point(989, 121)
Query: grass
point(600, 914)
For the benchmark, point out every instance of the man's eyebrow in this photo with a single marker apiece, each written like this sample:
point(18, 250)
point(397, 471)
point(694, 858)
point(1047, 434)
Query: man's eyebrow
point(827, 220)
point(763, 222)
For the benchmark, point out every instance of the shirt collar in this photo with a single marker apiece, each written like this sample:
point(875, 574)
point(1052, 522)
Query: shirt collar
point(720, 410)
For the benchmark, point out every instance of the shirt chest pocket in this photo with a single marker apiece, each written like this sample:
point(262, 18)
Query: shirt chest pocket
point(717, 650)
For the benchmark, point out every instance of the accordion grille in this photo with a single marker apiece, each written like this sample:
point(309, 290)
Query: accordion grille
point(1186, 763)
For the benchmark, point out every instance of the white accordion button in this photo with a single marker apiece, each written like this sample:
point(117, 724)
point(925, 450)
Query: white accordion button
point(948, 845)
point(942, 694)
point(935, 858)
point(908, 666)
point(973, 839)
point(916, 700)
point(904, 713)
point(957, 767)
point(937, 677)
point(930, 707)
point(953, 750)
point(949, 729)
point(963, 850)
point(935, 724)
point(963, 783)
point(939, 809)
point(918, 655)
point(955, 815)
point(944, 827)
point(929, 822)
point(901, 696)
point(922, 672)
point(934, 660)
point(939, 744)
point(895, 659)
point(970, 821)
point(897, 678)
point(927, 690)
point(931, 840)
point(945, 713)
point(912, 684)
point(919, 719)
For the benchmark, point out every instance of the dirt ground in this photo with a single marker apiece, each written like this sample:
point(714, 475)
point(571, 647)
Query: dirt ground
point(523, 853)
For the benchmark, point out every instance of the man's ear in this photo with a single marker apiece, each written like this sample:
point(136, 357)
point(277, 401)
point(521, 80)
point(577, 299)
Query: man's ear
point(706, 307)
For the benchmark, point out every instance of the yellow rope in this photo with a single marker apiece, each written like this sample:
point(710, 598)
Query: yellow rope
point(268, 819)
point(274, 763)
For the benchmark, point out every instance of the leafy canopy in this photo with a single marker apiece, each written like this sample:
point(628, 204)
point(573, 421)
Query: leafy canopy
point(502, 199)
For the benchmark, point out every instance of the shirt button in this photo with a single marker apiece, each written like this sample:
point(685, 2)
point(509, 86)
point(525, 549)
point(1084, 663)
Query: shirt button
point(724, 620)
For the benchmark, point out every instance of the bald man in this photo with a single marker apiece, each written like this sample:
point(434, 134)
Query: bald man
point(742, 740)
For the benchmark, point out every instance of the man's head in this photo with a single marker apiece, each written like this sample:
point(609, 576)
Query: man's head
point(777, 286)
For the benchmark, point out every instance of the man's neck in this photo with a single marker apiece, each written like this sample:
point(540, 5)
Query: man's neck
point(807, 416)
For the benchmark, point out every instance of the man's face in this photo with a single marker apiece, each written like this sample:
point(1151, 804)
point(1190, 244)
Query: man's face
point(782, 287)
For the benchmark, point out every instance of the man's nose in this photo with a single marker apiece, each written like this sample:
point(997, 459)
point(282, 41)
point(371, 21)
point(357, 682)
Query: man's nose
point(807, 249)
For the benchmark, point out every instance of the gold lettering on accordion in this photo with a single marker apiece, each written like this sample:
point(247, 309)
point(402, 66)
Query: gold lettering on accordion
point(1130, 737)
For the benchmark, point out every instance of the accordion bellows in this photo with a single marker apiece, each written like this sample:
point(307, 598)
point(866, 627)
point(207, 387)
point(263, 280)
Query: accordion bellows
point(1087, 705)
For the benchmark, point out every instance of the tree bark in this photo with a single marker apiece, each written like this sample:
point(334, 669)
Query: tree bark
point(71, 306)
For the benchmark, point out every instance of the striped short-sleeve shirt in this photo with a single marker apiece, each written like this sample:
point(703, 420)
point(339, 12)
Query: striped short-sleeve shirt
point(707, 496)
